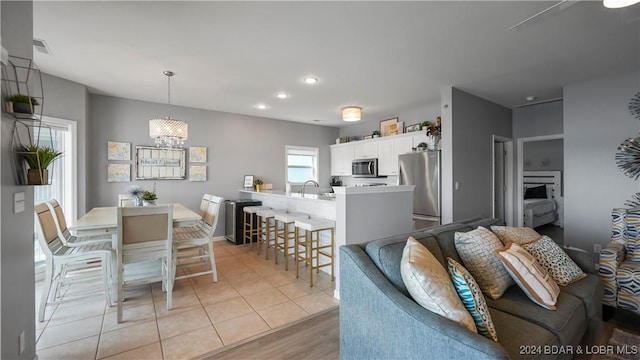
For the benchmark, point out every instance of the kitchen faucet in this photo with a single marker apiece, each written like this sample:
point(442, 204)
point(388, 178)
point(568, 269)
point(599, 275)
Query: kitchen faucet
point(315, 183)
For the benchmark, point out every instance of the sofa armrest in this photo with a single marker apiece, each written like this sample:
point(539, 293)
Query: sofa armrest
point(610, 258)
point(378, 322)
point(582, 258)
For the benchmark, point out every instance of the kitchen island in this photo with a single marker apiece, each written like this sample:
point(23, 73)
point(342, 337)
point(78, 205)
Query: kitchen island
point(361, 213)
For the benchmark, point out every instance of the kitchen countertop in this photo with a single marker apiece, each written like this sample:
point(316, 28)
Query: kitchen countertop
point(294, 195)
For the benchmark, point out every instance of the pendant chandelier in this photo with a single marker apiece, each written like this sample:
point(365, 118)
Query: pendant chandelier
point(168, 132)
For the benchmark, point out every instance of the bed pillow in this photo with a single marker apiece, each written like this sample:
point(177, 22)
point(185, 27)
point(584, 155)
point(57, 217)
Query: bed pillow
point(518, 235)
point(477, 250)
point(428, 283)
point(557, 263)
point(532, 278)
point(536, 192)
point(472, 299)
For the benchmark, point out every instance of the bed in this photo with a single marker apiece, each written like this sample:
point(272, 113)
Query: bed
point(543, 200)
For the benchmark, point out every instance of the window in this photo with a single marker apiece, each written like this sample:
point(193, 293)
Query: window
point(302, 164)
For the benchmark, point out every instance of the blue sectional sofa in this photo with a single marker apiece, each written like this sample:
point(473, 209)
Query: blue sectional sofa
point(380, 320)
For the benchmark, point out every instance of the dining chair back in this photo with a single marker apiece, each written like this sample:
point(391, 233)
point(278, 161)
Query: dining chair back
point(125, 200)
point(65, 234)
point(145, 244)
point(194, 247)
point(66, 265)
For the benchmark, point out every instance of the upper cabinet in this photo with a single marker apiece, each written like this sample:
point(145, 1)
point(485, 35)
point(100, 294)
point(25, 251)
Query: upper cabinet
point(365, 149)
point(385, 149)
point(341, 157)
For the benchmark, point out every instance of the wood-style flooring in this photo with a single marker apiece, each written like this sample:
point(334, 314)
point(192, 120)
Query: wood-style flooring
point(316, 338)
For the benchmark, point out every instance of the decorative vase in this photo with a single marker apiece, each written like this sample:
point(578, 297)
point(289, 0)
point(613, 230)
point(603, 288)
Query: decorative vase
point(137, 201)
point(148, 202)
point(259, 187)
point(432, 143)
point(38, 177)
point(20, 107)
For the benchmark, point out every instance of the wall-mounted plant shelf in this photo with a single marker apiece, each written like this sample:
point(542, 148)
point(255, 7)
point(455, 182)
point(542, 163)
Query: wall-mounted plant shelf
point(23, 100)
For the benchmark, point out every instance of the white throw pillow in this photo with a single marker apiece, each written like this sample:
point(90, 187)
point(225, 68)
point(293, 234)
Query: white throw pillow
point(518, 235)
point(428, 283)
point(477, 249)
point(532, 278)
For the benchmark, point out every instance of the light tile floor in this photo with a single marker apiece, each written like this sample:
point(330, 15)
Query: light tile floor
point(252, 296)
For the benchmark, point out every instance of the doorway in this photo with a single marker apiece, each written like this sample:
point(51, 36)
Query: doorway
point(503, 179)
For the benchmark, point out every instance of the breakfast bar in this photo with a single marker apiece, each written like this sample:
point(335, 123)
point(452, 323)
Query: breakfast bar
point(360, 213)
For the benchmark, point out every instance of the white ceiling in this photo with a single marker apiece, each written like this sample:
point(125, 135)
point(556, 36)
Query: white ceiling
point(383, 56)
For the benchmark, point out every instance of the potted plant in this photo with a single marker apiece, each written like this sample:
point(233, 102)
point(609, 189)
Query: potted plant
point(376, 133)
point(135, 192)
point(20, 103)
point(149, 198)
point(38, 159)
point(258, 183)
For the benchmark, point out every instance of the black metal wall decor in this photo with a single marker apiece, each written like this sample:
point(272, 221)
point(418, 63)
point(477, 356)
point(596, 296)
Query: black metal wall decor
point(634, 105)
point(628, 155)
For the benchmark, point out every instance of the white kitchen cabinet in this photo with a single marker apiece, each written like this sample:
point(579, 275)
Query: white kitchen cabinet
point(420, 138)
point(366, 149)
point(403, 145)
point(341, 157)
point(388, 151)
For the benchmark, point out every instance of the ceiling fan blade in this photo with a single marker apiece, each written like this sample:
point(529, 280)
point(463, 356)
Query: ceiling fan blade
point(555, 8)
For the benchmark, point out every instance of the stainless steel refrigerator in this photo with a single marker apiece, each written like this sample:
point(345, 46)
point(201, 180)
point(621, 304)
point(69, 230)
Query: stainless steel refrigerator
point(422, 169)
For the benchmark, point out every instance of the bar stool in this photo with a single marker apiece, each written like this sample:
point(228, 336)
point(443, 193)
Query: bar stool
point(266, 232)
point(250, 229)
point(287, 234)
point(312, 245)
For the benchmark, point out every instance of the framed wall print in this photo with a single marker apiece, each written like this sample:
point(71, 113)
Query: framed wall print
point(389, 127)
point(248, 181)
point(160, 163)
point(120, 151)
point(198, 154)
point(198, 173)
point(119, 173)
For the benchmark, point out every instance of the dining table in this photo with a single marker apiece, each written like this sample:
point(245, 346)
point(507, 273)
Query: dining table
point(104, 221)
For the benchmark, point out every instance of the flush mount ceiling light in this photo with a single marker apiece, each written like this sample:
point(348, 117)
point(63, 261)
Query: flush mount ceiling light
point(310, 80)
point(351, 113)
point(530, 98)
point(168, 132)
point(616, 4)
point(282, 95)
point(262, 106)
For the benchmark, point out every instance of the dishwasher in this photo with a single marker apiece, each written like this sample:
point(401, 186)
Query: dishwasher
point(234, 219)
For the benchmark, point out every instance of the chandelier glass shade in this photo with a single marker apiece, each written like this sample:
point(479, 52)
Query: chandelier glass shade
point(168, 132)
point(351, 113)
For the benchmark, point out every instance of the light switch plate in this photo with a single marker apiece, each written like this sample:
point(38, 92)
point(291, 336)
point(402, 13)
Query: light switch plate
point(18, 202)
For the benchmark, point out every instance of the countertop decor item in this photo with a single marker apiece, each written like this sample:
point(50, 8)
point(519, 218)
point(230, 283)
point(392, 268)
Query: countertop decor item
point(149, 198)
point(259, 184)
point(135, 192)
point(168, 132)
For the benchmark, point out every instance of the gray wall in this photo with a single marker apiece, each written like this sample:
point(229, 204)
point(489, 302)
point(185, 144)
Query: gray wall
point(17, 302)
point(474, 121)
point(538, 120)
point(410, 115)
point(238, 145)
point(69, 100)
point(545, 155)
point(596, 121)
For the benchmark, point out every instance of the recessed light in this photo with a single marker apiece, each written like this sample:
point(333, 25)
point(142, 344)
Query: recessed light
point(530, 98)
point(282, 95)
point(316, 120)
point(262, 106)
point(310, 80)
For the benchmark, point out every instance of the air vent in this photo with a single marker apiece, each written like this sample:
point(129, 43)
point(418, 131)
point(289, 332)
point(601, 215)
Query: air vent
point(41, 46)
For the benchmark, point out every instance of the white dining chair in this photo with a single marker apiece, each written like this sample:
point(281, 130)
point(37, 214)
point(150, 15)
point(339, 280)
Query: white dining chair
point(145, 246)
point(125, 200)
point(66, 265)
point(195, 248)
point(204, 204)
point(65, 234)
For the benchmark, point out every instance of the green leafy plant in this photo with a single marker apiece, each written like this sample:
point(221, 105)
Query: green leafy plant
point(376, 132)
point(20, 98)
point(149, 196)
point(39, 157)
point(257, 182)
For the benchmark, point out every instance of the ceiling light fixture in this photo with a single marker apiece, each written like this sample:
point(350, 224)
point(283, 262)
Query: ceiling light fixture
point(282, 95)
point(261, 106)
point(530, 98)
point(168, 132)
point(351, 113)
point(616, 4)
point(310, 80)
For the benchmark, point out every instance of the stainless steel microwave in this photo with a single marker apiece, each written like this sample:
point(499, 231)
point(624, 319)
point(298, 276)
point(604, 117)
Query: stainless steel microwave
point(364, 168)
